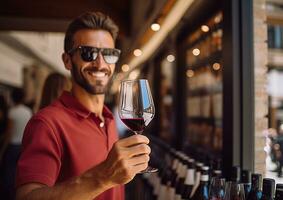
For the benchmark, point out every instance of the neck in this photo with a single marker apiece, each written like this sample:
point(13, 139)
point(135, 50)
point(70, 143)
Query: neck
point(93, 103)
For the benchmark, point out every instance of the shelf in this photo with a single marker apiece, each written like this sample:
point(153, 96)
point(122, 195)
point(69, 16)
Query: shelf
point(217, 122)
point(205, 35)
point(202, 153)
point(206, 91)
point(214, 57)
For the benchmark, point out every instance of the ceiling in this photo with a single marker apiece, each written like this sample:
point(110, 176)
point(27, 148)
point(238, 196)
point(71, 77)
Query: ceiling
point(25, 23)
point(32, 31)
point(41, 18)
point(132, 16)
point(54, 15)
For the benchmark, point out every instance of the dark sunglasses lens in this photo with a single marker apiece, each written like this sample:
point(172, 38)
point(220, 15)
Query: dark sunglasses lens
point(88, 54)
point(111, 56)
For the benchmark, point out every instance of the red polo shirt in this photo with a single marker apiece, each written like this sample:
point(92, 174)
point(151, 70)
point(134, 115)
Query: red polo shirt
point(64, 140)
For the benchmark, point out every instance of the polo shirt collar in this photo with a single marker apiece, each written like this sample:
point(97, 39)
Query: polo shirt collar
point(71, 102)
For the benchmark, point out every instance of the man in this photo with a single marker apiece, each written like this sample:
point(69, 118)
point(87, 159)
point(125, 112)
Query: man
point(70, 149)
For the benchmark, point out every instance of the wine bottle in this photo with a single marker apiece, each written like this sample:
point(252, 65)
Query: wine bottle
point(147, 186)
point(279, 192)
point(279, 195)
point(197, 177)
point(279, 186)
point(217, 172)
point(236, 174)
point(189, 180)
point(203, 188)
point(173, 175)
point(174, 170)
point(255, 193)
point(246, 180)
point(182, 175)
point(172, 191)
point(268, 189)
point(163, 185)
point(156, 184)
point(210, 163)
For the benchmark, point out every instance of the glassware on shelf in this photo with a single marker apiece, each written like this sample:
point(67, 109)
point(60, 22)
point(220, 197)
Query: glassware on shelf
point(234, 191)
point(217, 188)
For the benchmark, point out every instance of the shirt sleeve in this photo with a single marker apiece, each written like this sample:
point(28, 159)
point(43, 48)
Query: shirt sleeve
point(40, 159)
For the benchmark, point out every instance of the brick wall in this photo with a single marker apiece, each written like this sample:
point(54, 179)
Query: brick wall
point(261, 98)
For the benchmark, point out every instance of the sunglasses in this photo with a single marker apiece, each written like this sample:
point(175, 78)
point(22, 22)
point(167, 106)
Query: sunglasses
point(88, 54)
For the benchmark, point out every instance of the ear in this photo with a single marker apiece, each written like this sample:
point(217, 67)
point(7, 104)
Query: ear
point(67, 61)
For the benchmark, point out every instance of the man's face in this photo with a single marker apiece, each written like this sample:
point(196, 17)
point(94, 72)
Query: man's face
point(93, 76)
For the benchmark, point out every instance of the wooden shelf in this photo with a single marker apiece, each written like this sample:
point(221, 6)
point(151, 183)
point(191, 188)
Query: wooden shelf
point(217, 122)
point(205, 91)
point(214, 57)
point(205, 35)
point(202, 153)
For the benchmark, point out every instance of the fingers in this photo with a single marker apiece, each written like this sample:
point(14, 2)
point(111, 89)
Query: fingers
point(126, 153)
point(133, 140)
point(138, 160)
point(138, 149)
point(140, 167)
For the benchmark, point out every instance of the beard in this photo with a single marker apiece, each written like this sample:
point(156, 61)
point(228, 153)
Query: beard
point(93, 88)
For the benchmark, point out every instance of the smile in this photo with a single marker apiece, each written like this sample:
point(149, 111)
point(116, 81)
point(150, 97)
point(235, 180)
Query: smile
point(97, 74)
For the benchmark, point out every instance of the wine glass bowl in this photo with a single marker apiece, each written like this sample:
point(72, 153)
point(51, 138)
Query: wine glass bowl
point(234, 191)
point(136, 108)
point(217, 188)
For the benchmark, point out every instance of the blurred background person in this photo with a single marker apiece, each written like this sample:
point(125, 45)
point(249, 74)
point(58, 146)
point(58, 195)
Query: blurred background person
point(18, 116)
point(270, 139)
point(53, 87)
point(277, 148)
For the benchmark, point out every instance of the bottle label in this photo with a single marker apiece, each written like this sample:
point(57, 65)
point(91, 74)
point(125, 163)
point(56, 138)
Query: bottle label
point(204, 177)
point(190, 177)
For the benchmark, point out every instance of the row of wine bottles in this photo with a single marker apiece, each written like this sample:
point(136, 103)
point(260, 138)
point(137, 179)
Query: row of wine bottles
point(181, 177)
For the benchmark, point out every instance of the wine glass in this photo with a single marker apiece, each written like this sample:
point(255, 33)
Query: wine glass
point(234, 191)
point(136, 107)
point(217, 188)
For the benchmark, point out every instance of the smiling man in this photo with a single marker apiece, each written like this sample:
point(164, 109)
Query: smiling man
point(70, 148)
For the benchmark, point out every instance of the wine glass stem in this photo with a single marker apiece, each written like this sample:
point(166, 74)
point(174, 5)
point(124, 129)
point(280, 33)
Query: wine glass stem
point(138, 132)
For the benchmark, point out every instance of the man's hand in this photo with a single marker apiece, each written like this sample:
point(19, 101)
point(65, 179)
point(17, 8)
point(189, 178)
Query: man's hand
point(127, 157)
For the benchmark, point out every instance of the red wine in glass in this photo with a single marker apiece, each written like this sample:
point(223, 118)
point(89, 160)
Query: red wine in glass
point(136, 107)
point(135, 124)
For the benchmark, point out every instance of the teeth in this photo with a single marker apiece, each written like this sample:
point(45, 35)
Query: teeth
point(98, 74)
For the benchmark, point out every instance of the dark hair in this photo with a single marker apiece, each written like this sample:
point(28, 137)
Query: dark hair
point(53, 86)
point(89, 20)
point(18, 95)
